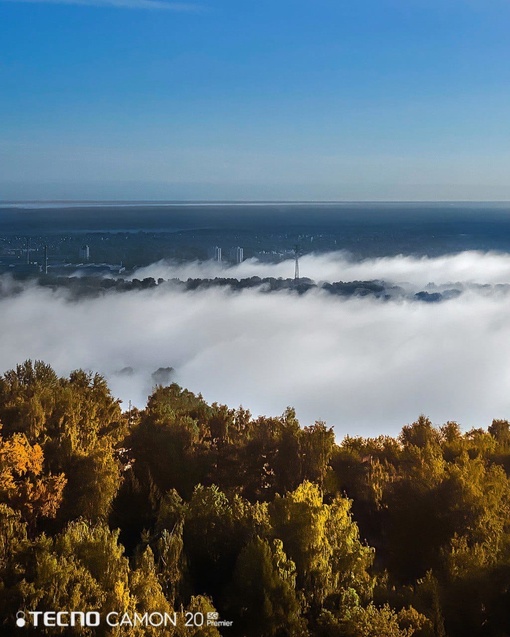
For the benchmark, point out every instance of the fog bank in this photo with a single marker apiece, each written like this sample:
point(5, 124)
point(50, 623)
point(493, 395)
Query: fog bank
point(465, 267)
point(364, 366)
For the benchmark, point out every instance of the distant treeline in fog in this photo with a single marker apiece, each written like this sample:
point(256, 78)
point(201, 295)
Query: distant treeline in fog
point(277, 527)
point(90, 286)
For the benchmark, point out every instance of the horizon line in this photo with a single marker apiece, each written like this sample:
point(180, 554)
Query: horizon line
point(251, 201)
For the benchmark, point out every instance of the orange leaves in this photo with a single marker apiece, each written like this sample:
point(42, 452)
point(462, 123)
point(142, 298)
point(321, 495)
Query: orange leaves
point(19, 457)
point(21, 484)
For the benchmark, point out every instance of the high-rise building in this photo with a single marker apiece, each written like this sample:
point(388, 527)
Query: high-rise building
point(84, 253)
point(217, 254)
point(238, 254)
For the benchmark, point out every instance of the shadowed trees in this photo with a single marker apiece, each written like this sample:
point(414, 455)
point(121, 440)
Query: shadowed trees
point(277, 527)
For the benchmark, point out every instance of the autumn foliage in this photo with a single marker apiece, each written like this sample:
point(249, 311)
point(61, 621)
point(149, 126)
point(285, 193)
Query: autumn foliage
point(278, 528)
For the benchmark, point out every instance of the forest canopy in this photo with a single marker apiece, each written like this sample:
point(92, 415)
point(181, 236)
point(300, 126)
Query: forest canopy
point(277, 528)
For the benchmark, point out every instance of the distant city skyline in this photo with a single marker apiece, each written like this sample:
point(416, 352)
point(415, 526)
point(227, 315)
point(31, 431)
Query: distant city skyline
point(381, 100)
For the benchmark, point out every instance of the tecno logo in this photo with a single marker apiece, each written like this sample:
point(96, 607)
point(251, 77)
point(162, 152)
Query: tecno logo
point(61, 618)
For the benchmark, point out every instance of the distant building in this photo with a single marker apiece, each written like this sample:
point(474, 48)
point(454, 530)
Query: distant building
point(216, 254)
point(84, 253)
point(237, 255)
point(272, 256)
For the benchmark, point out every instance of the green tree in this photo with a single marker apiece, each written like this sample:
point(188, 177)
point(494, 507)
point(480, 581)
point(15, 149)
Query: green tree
point(145, 587)
point(262, 596)
point(317, 444)
point(322, 540)
point(228, 524)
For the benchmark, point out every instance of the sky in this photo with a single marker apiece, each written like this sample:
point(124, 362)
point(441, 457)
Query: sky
point(259, 99)
point(364, 366)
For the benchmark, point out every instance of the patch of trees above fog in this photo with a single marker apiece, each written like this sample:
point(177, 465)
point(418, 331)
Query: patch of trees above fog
point(275, 526)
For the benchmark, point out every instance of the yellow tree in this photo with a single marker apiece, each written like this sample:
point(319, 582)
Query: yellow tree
point(22, 483)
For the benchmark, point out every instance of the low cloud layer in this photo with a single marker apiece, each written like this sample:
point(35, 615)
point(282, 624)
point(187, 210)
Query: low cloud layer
point(465, 267)
point(364, 366)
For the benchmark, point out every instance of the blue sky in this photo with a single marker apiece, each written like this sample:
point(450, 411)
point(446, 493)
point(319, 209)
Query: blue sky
point(255, 99)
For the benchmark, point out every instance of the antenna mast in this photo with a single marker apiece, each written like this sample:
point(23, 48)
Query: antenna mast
point(296, 266)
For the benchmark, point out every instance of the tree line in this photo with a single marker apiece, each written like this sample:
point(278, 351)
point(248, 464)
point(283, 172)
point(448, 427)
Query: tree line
point(274, 526)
